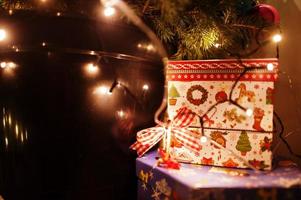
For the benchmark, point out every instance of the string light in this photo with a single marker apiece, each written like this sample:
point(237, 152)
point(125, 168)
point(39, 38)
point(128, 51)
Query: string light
point(3, 34)
point(204, 139)
point(145, 87)
point(10, 65)
point(3, 64)
point(58, 14)
point(92, 69)
point(102, 90)
point(10, 11)
point(121, 114)
point(217, 45)
point(277, 38)
point(17, 130)
point(109, 11)
point(249, 112)
point(150, 47)
point(270, 67)
point(43, 44)
point(6, 141)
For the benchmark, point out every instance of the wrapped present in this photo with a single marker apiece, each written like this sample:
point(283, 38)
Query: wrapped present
point(197, 182)
point(233, 102)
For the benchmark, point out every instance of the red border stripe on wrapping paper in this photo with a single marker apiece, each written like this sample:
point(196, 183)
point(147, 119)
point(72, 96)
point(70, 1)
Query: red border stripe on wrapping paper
point(219, 64)
point(221, 70)
point(220, 77)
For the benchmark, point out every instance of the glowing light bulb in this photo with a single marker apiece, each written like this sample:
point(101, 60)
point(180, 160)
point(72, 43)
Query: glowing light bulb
point(277, 38)
point(9, 120)
point(2, 34)
point(22, 138)
point(150, 47)
point(43, 44)
point(270, 67)
point(10, 11)
point(217, 45)
point(11, 65)
point(17, 130)
point(145, 87)
point(58, 14)
point(102, 90)
point(92, 69)
point(3, 64)
point(139, 45)
point(121, 114)
point(249, 112)
point(6, 141)
point(204, 139)
point(109, 11)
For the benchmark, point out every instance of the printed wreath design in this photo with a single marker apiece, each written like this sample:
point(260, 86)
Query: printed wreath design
point(200, 101)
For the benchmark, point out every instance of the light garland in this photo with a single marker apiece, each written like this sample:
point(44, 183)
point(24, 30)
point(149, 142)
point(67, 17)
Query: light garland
point(103, 90)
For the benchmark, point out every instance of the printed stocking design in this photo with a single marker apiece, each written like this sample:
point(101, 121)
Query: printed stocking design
point(258, 116)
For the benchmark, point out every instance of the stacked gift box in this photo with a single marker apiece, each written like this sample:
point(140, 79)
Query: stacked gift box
point(198, 182)
point(233, 100)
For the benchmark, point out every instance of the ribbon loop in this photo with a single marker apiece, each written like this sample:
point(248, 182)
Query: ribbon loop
point(149, 137)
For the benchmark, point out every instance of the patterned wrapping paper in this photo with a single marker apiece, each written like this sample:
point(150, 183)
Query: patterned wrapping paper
point(206, 182)
point(200, 84)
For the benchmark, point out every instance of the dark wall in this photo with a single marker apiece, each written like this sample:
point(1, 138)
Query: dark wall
point(288, 96)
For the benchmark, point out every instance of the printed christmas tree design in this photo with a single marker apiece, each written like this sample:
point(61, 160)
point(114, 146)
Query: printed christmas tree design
point(243, 145)
point(172, 95)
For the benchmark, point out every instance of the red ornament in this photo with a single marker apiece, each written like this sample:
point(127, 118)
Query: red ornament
point(268, 13)
point(221, 96)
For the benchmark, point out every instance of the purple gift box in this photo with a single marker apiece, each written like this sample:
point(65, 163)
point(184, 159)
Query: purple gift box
point(207, 182)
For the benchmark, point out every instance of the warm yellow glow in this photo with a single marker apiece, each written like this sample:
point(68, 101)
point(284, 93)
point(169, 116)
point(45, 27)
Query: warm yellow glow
point(217, 45)
point(11, 65)
point(3, 64)
point(10, 11)
point(4, 124)
point(92, 69)
point(17, 50)
point(17, 130)
point(270, 67)
point(204, 139)
point(109, 11)
point(102, 90)
point(249, 112)
point(8, 65)
point(145, 87)
point(22, 139)
point(58, 14)
point(43, 1)
point(3, 34)
point(44, 44)
point(121, 114)
point(26, 135)
point(139, 45)
point(277, 38)
point(9, 120)
point(6, 141)
point(150, 47)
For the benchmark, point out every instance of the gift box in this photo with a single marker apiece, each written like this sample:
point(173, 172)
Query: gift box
point(234, 106)
point(199, 182)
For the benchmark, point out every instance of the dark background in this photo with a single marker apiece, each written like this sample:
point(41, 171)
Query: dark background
point(64, 140)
